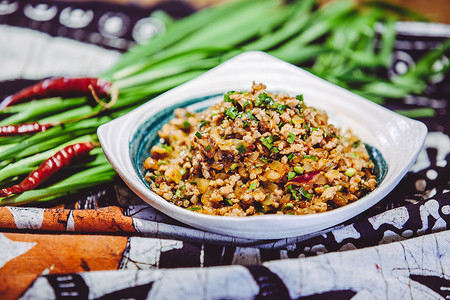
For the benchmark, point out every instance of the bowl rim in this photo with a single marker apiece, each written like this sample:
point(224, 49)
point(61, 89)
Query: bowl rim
point(138, 116)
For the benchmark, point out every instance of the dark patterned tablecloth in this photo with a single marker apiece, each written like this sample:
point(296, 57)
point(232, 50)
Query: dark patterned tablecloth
point(107, 243)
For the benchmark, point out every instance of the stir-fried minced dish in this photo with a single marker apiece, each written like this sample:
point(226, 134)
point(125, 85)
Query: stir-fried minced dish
point(258, 152)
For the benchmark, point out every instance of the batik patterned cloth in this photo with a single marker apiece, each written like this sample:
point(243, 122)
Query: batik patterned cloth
point(107, 243)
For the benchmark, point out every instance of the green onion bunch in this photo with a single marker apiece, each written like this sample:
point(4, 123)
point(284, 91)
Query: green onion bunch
point(338, 42)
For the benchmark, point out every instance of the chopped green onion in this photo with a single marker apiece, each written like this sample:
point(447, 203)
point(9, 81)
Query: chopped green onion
point(326, 186)
point(305, 193)
point(263, 100)
point(247, 103)
point(207, 148)
point(291, 175)
point(313, 157)
point(182, 171)
point(275, 150)
point(263, 159)
point(299, 97)
point(161, 162)
point(198, 134)
point(356, 144)
point(167, 147)
point(226, 97)
point(287, 206)
point(202, 123)
point(231, 112)
point(252, 186)
point(178, 193)
point(350, 172)
point(241, 148)
point(291, 138)
point(298, 170)
point(273, 104)
point(306, 126)
point(186, 125)
point(229, 202)
point(294, 193)
point(290, 156)
point(267, 141)
point(233, 166)
point(281, 108)
point(194, 208)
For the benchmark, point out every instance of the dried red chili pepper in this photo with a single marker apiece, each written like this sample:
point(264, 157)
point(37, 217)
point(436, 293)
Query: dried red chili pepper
point(61, 159)
point(305, 178)
point(10, 130)
point(64, 87)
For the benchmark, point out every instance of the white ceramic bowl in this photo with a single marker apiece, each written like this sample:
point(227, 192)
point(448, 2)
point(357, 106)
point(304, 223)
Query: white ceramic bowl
point(126, 140)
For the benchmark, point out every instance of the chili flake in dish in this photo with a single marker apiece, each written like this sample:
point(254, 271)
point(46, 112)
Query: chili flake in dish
point(258, 152)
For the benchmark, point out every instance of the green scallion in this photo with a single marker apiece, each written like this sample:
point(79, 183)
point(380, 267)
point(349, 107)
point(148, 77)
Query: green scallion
point(313, 157)
point(241, 148)
point(231, 112)
point(226, 97)
point(290, 156)
point(298, 170)
point(194, 208)
point(299, 97)
point(291, 138)
point(350, 172)
point(287, 206)
point(281, 108)
point(291, 175)
point(229, 202)
point(186, 125)
point(168, 148)
point(305, 193)
point(267, 142)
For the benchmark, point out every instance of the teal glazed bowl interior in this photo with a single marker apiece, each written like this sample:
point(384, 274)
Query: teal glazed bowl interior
point(146, 136)
point(393, 141)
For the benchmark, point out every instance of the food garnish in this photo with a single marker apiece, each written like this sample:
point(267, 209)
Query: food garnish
point(258, 152)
